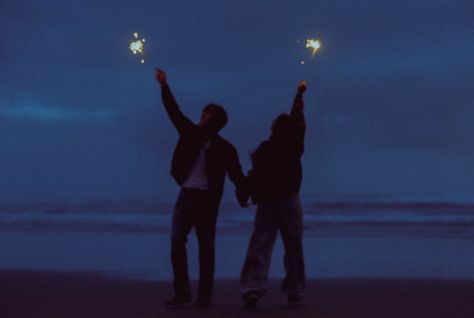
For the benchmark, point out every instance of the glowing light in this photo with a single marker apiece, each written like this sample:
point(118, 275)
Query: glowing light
point(137, 45)
point(314, 45)
point(302, 62)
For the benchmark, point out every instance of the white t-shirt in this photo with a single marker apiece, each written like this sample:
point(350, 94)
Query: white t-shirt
point(197, 179)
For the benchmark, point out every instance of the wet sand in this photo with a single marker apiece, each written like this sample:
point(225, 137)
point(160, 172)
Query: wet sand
point(60, 294)
point(146, 255)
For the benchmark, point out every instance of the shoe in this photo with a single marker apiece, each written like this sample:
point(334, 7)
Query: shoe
point(251, 301)
point(294, 300)
point(178, 302)
point(202, 302)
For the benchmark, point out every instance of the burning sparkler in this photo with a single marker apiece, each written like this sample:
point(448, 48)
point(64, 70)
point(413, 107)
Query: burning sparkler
point(314, 45)
point(137, 46)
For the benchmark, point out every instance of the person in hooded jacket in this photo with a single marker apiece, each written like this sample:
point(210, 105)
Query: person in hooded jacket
point(274, 183)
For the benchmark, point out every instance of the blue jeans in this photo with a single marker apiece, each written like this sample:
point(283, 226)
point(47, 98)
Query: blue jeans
point(284, 215)
point(194, 209)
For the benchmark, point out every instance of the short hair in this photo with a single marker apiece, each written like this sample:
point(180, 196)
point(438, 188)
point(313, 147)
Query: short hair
point(219, 117)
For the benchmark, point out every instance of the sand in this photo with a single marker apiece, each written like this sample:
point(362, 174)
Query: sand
point(66, 294)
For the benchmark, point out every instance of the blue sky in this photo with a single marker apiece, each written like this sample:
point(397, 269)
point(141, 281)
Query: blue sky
point(390, 101)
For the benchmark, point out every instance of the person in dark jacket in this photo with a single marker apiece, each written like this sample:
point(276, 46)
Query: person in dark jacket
point(275, 181)
point(200, 162)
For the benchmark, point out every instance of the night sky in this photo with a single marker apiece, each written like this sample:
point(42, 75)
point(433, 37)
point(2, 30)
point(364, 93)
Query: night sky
point(390, 100)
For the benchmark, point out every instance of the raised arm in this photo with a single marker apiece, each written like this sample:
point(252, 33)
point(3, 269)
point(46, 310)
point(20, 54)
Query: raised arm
point(297, 113)
point(179, 120)
point(297, 110)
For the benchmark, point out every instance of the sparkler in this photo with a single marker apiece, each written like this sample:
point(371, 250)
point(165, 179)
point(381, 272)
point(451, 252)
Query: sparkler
point(137, 46)
point(314, 45)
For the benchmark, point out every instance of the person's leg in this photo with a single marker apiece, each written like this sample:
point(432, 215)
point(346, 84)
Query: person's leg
point(259, 253)
point(181, 226)
point(291, 229)
point(206, 216)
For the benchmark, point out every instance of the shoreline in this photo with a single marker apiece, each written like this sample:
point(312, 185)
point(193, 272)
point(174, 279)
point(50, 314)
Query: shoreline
point(326, 257)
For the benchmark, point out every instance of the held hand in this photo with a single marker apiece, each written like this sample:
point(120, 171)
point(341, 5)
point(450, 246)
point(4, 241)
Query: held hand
point(160, 76)
point(243, 199)
point(242, 193)
point(302, 87)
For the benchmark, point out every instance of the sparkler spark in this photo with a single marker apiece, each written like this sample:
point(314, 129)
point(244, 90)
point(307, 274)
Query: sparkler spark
point(313, 44)
point(137, 45)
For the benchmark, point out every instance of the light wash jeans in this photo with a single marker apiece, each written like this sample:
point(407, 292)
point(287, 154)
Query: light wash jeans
point(284, 215)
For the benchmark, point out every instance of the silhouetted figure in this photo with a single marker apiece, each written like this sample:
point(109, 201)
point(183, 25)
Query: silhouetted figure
point(200, 162)
point(275, 181)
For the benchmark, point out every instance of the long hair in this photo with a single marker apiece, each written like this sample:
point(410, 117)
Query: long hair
point(282, 126)
point(280, 139)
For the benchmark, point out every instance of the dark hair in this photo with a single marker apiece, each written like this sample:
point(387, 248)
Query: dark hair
point(218, 119)
point(282, 125)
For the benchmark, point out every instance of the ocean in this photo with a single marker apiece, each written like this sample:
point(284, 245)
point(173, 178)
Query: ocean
point(328, 217)
point(343, 237)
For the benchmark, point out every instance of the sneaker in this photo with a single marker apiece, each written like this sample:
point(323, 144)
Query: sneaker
point(294, 300)
point(178, 302)
point(202, 302)
point(251, 300)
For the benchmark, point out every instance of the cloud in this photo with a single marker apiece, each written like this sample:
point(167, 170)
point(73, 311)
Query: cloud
point(393, 84)
point(44, 113)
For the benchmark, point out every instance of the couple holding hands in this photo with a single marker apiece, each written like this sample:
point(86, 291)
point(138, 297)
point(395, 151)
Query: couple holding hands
point(200, 162)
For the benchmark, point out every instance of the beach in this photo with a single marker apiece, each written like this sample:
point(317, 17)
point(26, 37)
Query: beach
point(329, 254)
point(384, 262)
point(56, 294)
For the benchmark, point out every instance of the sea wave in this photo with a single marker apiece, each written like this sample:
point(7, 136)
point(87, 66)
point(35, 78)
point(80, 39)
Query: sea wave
point(318, 215)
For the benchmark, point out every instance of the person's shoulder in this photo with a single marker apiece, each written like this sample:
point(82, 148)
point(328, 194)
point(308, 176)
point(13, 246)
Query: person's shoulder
point(264, 144)
point(224, 142)
point(191, 132)
point(262, 151)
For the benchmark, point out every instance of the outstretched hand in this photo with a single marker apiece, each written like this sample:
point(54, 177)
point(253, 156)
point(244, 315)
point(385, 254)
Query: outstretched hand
point(302, 87)
point(160, 76)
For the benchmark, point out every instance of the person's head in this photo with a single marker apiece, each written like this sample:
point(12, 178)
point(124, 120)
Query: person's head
point(213, 118)
point(281, 125)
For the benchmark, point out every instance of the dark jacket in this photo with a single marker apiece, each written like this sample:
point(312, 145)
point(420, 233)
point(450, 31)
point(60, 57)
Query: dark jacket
point(276, 163)
point(221, 157)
